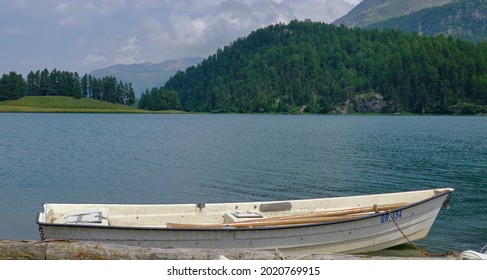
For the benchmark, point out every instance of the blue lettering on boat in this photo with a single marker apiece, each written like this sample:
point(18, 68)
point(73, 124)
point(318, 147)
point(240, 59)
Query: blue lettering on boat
point(389, 216)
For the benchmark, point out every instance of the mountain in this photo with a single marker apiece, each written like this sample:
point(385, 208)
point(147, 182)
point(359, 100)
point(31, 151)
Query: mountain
point(146, 75)
point(371, 11)
point(323, 68)
point(466, 19)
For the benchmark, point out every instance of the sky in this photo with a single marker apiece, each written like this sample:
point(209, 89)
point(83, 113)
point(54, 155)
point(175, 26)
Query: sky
point(85, 35)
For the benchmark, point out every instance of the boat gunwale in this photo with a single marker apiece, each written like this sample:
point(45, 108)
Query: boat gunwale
point(444, 191)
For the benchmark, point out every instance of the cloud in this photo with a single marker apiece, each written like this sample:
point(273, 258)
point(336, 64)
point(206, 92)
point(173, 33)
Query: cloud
point(90, 34)
point(91, 59)
point(83, 7)
point(321, 10)
point(82, 40)
point(128, 53)
point(199, 28)
point(353, 2)
point(19, 4)
point(67, 22)
point(130, 46)
point(62, 7)
point(74, 13)
point(175, 29)
point(14, 31)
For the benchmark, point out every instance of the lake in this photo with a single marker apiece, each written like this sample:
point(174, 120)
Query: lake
point(118, 158)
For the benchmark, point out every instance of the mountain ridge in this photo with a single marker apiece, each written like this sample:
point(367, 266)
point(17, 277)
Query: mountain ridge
point(146, 75)
point(371, 11)
point(465, 19)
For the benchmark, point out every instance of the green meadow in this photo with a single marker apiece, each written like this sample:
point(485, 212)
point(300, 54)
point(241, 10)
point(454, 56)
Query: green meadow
point(62, 104)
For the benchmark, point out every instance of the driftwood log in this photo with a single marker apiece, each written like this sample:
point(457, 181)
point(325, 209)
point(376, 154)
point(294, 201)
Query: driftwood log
point(82, 250)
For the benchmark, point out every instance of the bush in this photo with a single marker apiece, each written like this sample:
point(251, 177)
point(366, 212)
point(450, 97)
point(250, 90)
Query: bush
point(470, 109)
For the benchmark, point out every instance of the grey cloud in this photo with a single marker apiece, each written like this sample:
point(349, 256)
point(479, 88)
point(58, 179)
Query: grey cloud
point(130, 31)
point(199, 28)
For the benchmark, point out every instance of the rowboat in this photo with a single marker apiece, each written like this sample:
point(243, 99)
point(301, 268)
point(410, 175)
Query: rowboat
point(354, 224)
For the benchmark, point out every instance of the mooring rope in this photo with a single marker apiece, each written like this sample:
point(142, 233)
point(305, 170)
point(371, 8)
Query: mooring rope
point(426, 253)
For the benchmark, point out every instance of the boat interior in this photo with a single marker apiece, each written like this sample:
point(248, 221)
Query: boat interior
point(231, 215)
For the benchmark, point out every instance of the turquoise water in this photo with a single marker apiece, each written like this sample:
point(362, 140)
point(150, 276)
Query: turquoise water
point(217, 158)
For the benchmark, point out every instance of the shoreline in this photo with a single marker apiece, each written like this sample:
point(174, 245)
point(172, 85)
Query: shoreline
point(89, 250)
point(63, 104)
point(12, 109)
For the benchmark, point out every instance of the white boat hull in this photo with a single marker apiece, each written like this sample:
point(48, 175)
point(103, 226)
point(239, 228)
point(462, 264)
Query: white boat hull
point(358, 235)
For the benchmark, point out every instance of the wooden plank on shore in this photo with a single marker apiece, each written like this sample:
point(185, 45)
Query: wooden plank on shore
point(86, 250)
point(22, 250)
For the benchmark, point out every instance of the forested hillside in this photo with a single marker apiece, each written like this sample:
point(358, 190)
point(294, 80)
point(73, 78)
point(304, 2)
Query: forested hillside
point(317, 67)
point(466, 19)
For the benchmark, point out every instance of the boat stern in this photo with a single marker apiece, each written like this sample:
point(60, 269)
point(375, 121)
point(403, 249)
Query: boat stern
point(43, 216)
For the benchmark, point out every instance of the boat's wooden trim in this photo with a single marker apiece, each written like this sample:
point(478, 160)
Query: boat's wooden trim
point(343, 212)
point(258, 223)
point(309, 218)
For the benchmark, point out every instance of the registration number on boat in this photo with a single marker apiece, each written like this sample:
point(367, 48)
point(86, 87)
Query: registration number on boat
point(384, 218)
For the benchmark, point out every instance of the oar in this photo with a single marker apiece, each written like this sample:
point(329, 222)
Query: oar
point(350, 211)
point(263, 223)
point(319, 217)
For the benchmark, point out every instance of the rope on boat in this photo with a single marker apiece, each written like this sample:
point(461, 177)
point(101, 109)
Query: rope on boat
point(41, 233)
point(280, 255)
point(482, 250)
point(426, 253)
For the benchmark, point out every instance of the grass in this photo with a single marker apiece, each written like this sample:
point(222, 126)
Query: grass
point(62, 104)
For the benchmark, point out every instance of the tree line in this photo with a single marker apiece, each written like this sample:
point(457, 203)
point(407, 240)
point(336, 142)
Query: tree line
point(158, 99)
point(63, 83)
point(317, 66)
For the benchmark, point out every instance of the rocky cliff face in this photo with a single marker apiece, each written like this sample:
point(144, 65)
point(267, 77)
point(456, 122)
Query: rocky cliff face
point(343, 109)
point(365, 103)
point(370, 103)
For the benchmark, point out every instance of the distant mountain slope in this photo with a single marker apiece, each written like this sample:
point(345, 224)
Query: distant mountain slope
point(466, 19)
point(371, 11)
point(146, 75)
